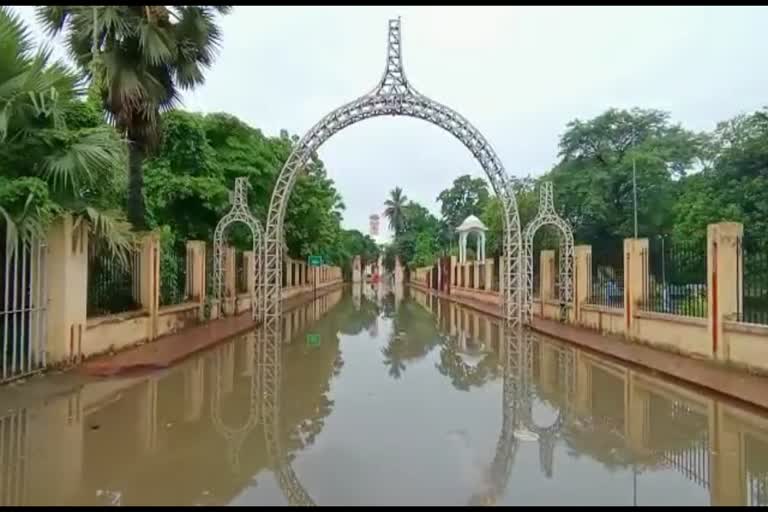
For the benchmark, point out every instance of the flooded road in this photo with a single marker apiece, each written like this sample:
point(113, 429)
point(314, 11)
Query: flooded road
point(379, 397)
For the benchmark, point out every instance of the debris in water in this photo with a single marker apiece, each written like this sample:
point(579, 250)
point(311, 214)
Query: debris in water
point(95, 427)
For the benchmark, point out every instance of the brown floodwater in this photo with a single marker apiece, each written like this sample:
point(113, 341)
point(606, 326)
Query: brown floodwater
point(385, 397)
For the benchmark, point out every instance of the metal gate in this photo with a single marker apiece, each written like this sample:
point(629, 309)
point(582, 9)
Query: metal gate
point(23, 300)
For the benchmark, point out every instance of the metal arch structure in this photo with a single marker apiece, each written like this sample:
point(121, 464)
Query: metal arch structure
point(394, 95)
point(236, 436)
point(547, 216)
point(240, 212)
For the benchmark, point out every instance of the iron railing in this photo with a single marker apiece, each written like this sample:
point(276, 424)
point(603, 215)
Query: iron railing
point(174, 273)
point(607, 282)
point(113, 283)
point(675, 277)
point(754, 292)
point(756, 470)
point(23, 299)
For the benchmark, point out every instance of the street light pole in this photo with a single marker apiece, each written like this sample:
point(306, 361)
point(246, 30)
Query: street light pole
point(634, 191)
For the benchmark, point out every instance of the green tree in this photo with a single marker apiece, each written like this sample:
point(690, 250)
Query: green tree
point(394, 209)
point(143, 55)
point(593, 180)
point(56, 156)
point(467, 196)
point(734, 186)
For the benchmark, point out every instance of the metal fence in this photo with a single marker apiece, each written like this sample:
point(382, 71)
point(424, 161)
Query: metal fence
point(756, 470)
point(680, 435)
point(675, 277)
point(754, 293)
point(607, 284)
point(174, 273)
point(14, 458)
point(23, 299)
point(113, 284)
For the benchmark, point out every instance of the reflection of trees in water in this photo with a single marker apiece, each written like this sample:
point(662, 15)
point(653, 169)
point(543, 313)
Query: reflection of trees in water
point(412, 336)
point(462, 375)
point(352, 321)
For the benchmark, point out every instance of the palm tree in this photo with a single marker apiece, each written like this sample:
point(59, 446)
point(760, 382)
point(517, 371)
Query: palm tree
point(138, 57)
point(394, 210)
point(47, 166)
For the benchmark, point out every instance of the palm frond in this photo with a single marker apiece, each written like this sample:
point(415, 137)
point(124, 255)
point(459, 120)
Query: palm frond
point(108, 229)
point(84, 160)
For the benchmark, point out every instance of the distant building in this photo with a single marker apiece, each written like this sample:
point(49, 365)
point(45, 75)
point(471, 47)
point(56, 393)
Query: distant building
point(373, 222)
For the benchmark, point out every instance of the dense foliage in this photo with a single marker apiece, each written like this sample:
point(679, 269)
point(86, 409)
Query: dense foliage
point(685, 180)
point(61, 150)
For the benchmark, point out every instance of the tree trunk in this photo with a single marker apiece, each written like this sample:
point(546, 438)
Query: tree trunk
point(136, 210)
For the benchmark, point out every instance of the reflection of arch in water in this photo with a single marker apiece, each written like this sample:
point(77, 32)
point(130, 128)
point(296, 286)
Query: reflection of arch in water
point(517, 358)
point(235, 436)
point(550, 434)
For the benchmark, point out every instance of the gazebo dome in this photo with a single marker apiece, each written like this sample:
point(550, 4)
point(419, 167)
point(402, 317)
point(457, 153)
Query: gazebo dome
point(472, 223)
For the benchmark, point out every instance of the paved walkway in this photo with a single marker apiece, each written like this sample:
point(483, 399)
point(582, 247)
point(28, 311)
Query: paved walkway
point(733, 383)
point(169, 350)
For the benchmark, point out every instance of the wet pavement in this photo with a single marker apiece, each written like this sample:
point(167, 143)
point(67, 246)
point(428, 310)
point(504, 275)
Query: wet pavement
point(376, 396)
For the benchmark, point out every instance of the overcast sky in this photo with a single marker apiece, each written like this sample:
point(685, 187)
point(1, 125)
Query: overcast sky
point(519, 74)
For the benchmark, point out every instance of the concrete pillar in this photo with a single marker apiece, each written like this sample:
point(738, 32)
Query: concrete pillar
point(196, 273)
point(583, 399)
point(249, 262)
point(488, 275)
point(635, 271)
point(146, 415)
point(582, 278)
point(547, 276)
point(724, 281)
point(727, 459)
point(547, 367)
point(637, 420)
point(398, 271)
point(44, 452)
point(67, 275)
point(454, 278)
point(227, 368)
point(476, 275)
point(194, 390)
point(230, 280)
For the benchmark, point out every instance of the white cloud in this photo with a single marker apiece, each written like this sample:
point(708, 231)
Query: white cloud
point(518, 73)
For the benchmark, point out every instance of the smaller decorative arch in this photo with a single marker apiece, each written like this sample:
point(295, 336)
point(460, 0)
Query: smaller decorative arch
point(544, 217)
point(240, 213)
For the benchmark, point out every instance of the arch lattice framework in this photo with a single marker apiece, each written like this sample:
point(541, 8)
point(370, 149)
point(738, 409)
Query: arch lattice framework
point(240, 213)
point(544, 217)
point(394, 95)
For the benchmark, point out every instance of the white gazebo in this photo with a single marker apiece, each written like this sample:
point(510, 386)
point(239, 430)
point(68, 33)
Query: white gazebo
point(471, 225)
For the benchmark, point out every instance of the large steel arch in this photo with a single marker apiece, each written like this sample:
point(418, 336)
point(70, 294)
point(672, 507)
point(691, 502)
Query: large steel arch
point(240, 213)
point(394, 96)
point(547, 216)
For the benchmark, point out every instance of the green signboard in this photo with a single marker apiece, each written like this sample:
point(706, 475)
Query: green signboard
point(315, 261)
point(313, 340)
